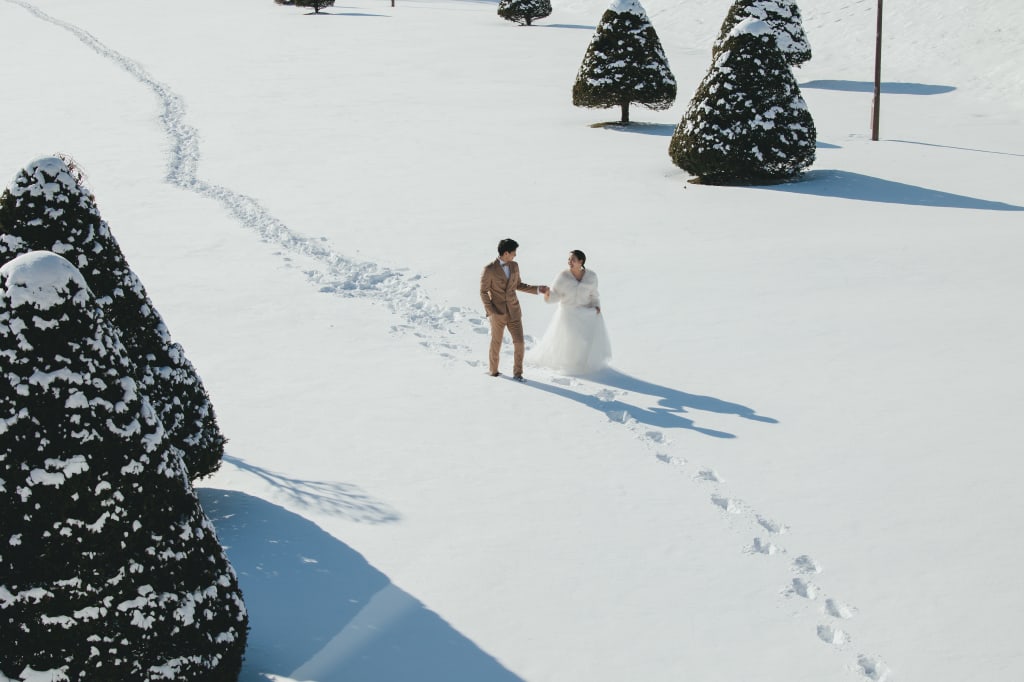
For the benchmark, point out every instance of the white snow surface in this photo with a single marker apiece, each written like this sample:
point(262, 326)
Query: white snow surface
point(804, 464)
point(750, 25)
point(40, 278)
point(630, 6)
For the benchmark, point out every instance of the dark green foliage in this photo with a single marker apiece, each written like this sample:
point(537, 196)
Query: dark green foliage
point(747, 122)
point(524, 11)
point(317, 5)
point(782, 16)
point(47, 208)
point(109, 570)
point(624, 64)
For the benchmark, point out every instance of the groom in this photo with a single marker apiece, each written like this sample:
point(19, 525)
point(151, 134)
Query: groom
point(498, 286)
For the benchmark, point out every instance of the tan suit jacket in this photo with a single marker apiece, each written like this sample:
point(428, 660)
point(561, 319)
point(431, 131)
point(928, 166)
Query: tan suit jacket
point(498, 292)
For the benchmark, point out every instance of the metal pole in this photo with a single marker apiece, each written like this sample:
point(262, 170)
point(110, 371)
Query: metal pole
point(876, 102)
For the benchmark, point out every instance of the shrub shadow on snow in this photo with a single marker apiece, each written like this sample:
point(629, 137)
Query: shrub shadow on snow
point(662, 129)
point(887, 88)
point(357, 12)
point(336, 499)
point(319, 611)
point(672, 403)
point(345, 14)
point(847, 185)
point(581, 26)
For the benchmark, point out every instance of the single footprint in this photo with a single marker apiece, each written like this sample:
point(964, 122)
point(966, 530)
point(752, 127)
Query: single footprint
point(671, 459)
point(838, 609)
point(806, 564)
point(655, 436)
point(708, 475)
point(763, 547)
point(771, 526)
point(831, 635)
point(729, 505)
point(873, 668)
point(804, 589)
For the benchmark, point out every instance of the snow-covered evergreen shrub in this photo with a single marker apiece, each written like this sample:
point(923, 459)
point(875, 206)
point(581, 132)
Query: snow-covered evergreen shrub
point(624, 64)
point(782, 16)
point(47, 207)
point(524, 11)
point(109, 570)
point(747, 123)
point(317, 5)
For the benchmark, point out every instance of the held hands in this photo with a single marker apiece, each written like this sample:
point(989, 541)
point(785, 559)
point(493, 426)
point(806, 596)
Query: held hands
point(543, 288)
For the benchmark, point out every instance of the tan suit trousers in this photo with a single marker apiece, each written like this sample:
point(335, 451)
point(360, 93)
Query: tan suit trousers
point(515, 330)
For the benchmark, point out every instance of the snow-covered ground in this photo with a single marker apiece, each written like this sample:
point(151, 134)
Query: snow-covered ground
point(804, 464)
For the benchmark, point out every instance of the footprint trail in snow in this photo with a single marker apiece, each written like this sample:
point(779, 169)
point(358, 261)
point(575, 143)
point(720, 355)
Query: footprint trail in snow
point(438, 326)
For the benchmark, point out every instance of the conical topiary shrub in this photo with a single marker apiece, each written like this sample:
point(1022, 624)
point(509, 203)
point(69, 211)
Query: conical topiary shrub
point(747, 123)
point(316, 5)
point(624, 64)
point(109, 570)
point(47, 207)
point(524, 11)
point(782, 16)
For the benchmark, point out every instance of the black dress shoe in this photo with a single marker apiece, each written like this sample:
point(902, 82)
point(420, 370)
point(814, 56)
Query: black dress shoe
point(495, 374)
point(520, 378)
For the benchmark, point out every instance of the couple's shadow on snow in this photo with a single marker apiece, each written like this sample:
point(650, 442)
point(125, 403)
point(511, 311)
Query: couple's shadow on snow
point(670, 412)
point(319, 611)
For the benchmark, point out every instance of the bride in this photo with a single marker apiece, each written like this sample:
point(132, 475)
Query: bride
point(577, 341)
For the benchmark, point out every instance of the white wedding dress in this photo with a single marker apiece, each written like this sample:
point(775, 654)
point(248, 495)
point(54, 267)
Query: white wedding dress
point(577, 340)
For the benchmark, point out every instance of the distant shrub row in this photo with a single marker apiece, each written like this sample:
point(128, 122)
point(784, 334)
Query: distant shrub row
point(747, 122)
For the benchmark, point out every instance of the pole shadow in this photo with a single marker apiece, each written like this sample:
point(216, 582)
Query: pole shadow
point(961, 149)
point(319, 611)
point(886, 88)
point(672, 403)
point(858, 187)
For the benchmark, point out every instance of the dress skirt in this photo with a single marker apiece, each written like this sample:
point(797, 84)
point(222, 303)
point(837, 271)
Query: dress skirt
point(575, 343)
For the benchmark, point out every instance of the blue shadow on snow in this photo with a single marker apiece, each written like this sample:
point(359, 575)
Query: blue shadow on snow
point(341, 500)
point(672, 403)
point(962, 149)
point(886, 88)
point(661, 129)
point(664, 130)
point(580, 26)
point(347, 14)
point(325, 13)
point(847, 185)
point(319, 611)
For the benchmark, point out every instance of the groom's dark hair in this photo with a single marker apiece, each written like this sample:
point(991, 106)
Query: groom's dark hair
point(506, 245)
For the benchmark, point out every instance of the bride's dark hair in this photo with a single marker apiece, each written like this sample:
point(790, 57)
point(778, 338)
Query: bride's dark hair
point(580, 256)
